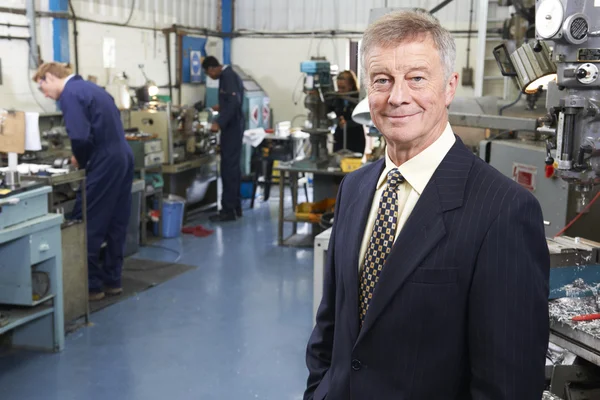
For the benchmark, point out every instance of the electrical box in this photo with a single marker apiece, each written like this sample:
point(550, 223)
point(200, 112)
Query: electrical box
point(193, 51)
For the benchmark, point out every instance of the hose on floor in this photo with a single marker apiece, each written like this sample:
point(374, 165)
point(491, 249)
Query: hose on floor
point(161, 266)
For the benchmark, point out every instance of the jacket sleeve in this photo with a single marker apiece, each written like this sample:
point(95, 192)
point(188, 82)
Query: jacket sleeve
point(230, 99)
point(320, 344)
point(76, 114)
point(508, 323)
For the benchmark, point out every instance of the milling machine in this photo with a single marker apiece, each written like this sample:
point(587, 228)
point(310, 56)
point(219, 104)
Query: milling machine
point(317, 85)
point(565, 57)
point(321, 121)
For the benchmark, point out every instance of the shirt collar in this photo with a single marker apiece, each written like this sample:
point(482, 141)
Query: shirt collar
point(418, 170)
point(68, 78)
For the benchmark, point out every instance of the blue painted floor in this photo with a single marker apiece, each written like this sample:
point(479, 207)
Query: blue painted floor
point(234, 328)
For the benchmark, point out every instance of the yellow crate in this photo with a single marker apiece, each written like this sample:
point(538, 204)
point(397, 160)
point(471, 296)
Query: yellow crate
point(350, 164)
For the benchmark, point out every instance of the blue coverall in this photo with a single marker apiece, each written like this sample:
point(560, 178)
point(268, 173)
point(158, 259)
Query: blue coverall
point(98, 142)
point(231, 121)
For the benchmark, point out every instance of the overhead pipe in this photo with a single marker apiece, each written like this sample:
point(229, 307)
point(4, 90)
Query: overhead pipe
point(9, 25)
point(9, 37)
point(33, 47)
point(23, 11)
point(75, 37)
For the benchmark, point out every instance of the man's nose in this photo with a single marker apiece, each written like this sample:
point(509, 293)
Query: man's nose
point(400, 93)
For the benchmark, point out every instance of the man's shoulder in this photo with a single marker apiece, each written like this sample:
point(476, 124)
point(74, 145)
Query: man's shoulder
point(357, 180)
point(490, 185)
point(364, 171)
point(230, 72)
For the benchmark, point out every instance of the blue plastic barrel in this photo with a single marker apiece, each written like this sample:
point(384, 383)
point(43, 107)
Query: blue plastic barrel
point(172, 217)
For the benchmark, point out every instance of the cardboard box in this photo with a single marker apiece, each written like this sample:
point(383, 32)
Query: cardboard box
point(12, 131)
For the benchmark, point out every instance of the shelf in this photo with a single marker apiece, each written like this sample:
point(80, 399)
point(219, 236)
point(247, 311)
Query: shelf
point(153, 194)
point(21, 316)
point(45, 299)
point(299, 240)
point(291, 217)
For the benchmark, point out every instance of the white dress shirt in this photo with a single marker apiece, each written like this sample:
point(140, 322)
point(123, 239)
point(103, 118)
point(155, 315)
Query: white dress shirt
point(417, 172)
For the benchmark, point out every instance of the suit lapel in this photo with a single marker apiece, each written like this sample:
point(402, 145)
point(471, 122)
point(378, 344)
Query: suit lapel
point(356, 215)
point(423, 229)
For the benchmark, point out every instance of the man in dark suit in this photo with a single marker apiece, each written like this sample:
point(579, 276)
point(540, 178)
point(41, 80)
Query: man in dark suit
point(436, 283)
point(231, 123)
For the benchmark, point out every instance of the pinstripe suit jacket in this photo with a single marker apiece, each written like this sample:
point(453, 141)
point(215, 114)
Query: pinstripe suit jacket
point(461, 308)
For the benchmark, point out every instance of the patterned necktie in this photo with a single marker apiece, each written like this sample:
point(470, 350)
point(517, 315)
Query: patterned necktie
point(381, 242)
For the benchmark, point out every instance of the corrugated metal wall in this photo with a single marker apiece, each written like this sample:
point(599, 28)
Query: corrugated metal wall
point(342, 15)
point(159, 13)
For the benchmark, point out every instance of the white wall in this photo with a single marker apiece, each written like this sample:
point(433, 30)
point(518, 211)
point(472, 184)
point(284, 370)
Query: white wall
point(275, 65)
point(133, 46)
point(347, 15)
point(17, 90)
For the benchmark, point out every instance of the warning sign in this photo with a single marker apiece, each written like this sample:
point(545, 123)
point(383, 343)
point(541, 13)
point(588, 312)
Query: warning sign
point(266, 115)
point(195, 66)
point(525, 175)
point(254, 114)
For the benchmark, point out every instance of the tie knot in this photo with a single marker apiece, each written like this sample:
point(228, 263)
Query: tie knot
point(394, 178)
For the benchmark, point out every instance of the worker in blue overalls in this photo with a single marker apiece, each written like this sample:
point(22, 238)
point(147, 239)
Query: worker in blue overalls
point(231, 124)
point(94, 126)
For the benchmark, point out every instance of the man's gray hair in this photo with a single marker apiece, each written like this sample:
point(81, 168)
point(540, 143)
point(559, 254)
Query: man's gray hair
point(405, 26)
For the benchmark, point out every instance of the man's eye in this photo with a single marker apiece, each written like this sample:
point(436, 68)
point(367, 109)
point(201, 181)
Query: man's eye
point(417, 78)
point(382, 81)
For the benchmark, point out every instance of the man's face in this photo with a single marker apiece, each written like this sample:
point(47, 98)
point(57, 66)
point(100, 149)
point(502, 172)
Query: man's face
point(50, 86)
point(408, 92)
point(213, 72)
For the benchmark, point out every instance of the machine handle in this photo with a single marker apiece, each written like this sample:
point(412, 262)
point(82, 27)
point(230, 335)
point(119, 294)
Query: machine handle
point(44, 247)
point(587, 317)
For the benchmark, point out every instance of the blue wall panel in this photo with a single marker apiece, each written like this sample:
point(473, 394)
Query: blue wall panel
point(60, 35)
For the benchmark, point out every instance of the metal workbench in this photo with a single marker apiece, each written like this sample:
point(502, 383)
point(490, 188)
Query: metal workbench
point(74, 243)
point(578, 342)
point(30, 243)
point(323, 187)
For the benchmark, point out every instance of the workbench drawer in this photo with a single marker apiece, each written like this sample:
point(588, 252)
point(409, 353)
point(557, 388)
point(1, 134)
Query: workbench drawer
point(154, 159)
point(152, 146)
point(24, 207)
point(44, 244)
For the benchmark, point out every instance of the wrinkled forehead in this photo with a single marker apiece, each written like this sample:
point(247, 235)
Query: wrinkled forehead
point(420, 47)
point(385, 45)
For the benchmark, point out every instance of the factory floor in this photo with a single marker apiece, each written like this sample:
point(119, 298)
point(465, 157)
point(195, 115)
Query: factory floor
point(233, 328)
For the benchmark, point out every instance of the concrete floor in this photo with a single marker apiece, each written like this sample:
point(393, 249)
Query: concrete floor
point(234, 328)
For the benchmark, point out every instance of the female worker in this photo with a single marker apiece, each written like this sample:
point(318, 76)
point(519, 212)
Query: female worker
point(343, 107)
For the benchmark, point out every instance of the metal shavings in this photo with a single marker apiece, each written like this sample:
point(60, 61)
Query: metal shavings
point(556, 354)
point(550, 396)
point(563, 309)
point(579, 288)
